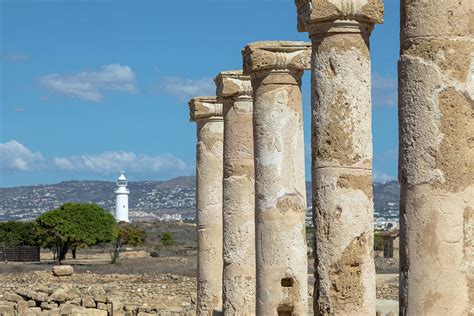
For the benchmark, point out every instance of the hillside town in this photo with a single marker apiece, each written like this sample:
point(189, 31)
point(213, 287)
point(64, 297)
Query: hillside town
point(172, 200)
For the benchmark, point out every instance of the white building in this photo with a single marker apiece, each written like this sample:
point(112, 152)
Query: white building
point(121, 202)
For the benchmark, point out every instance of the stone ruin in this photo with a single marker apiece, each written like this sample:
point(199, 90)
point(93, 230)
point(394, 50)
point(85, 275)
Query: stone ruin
point(250, 167)
point(251, 182)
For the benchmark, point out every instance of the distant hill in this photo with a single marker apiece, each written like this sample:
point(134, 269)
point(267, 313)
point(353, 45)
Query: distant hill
point(154, 197)
point(147, 198)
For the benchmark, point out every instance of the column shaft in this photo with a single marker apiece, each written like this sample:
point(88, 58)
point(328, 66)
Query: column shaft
point(342, 152)
point(281, 196)
point(436, 173)
point(342, 175)
point(209, 173)
point(280, 191)
point(239, 208)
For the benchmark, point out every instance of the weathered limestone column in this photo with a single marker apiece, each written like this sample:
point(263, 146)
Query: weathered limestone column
point(280, 204)
point(436, 157)
point(207, 113)
point(235, 92)
point(342, 152)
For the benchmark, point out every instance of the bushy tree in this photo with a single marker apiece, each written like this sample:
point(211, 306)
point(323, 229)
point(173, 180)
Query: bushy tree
point(167, 239)
point(127, 234)
point(165, 245)
point(378, 242)
point(75, 224)
point(18, 234)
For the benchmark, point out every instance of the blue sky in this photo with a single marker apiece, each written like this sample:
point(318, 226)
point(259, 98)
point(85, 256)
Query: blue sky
point(88, 88)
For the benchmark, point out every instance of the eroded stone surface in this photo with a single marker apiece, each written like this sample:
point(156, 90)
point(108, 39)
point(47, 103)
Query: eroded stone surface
point(325, 15)
point(276, 69)
point(276, 55)
point(234, 90)
point(207, 113)
point(342, 152)
point(204, 107)
point(436, 173)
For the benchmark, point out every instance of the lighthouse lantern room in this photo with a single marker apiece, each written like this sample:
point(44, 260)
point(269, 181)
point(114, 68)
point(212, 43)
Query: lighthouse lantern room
point(121, 202)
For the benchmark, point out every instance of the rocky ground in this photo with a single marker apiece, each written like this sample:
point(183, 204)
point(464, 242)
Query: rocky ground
point(138, 285)
point(41, 293)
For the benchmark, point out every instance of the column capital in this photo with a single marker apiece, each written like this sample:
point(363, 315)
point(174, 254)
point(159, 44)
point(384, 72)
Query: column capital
point(339, 16)
point(205, 108)
point(276, 55)
point(233, 84)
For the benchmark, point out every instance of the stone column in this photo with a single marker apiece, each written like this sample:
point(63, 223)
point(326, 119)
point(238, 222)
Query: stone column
point(280, 204)
point(207, 113)
point(342, 152)
point(436, 157)
point(235, 92)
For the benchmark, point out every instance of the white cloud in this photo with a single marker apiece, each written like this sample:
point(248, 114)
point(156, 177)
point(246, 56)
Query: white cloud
point(384, 90)
point(89, 85)
point(114, 161)
point(16, 157)
point(381, 177)
point(185, 89)
point(15, 57)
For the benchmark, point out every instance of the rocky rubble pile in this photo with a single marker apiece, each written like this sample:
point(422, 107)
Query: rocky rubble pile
point(41, 293)
point(388, 289)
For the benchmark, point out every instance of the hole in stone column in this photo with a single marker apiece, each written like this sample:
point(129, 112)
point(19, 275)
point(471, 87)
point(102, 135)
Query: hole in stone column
point(287, 282)
point(285, 310)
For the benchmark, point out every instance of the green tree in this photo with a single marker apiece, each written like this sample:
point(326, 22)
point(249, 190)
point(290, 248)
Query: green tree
point(165, 245)
point(127, 234)
point(167, 240)
point(18, 234)
point(75, 224)
point(378, 242)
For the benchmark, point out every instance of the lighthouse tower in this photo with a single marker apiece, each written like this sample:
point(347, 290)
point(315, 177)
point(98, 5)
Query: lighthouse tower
point(121, 202)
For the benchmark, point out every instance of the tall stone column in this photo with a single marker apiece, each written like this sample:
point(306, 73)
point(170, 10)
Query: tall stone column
point(436, 157)
point(207, 113)
point(235, 92)
point(280, 204)
point(342, 152)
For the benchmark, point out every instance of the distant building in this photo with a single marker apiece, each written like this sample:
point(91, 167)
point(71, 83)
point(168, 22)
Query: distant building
point(121, 201)
point(391, 241)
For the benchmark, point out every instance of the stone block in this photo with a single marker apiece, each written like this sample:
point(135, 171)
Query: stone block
point(11, 297)
point(102, 306)
point(100, 298)
point(33, 311)
point(64, 295)
point(39, 296)
point(45, 289)
point(31, 303)
point(64, 270)
point(7, 310)
point(22, 307)
point(81, 311)
point(25, 293)
point(314, 12)
point(88, 302)
point(45, 305)
point(67, 308)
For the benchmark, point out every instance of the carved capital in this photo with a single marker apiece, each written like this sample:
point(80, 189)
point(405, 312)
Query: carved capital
point(276, 55)
point(232, 83)
point(205, 107)
point(317, 16)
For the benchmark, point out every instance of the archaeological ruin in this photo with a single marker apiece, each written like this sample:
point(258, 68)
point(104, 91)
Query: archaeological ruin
point(252, 218)
point(436, 158)
point(263, 179)
point(234, 90)
point(342, 153)
point(207, 113)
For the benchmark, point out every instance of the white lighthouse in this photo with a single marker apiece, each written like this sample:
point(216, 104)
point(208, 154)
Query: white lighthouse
point(121, 202)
